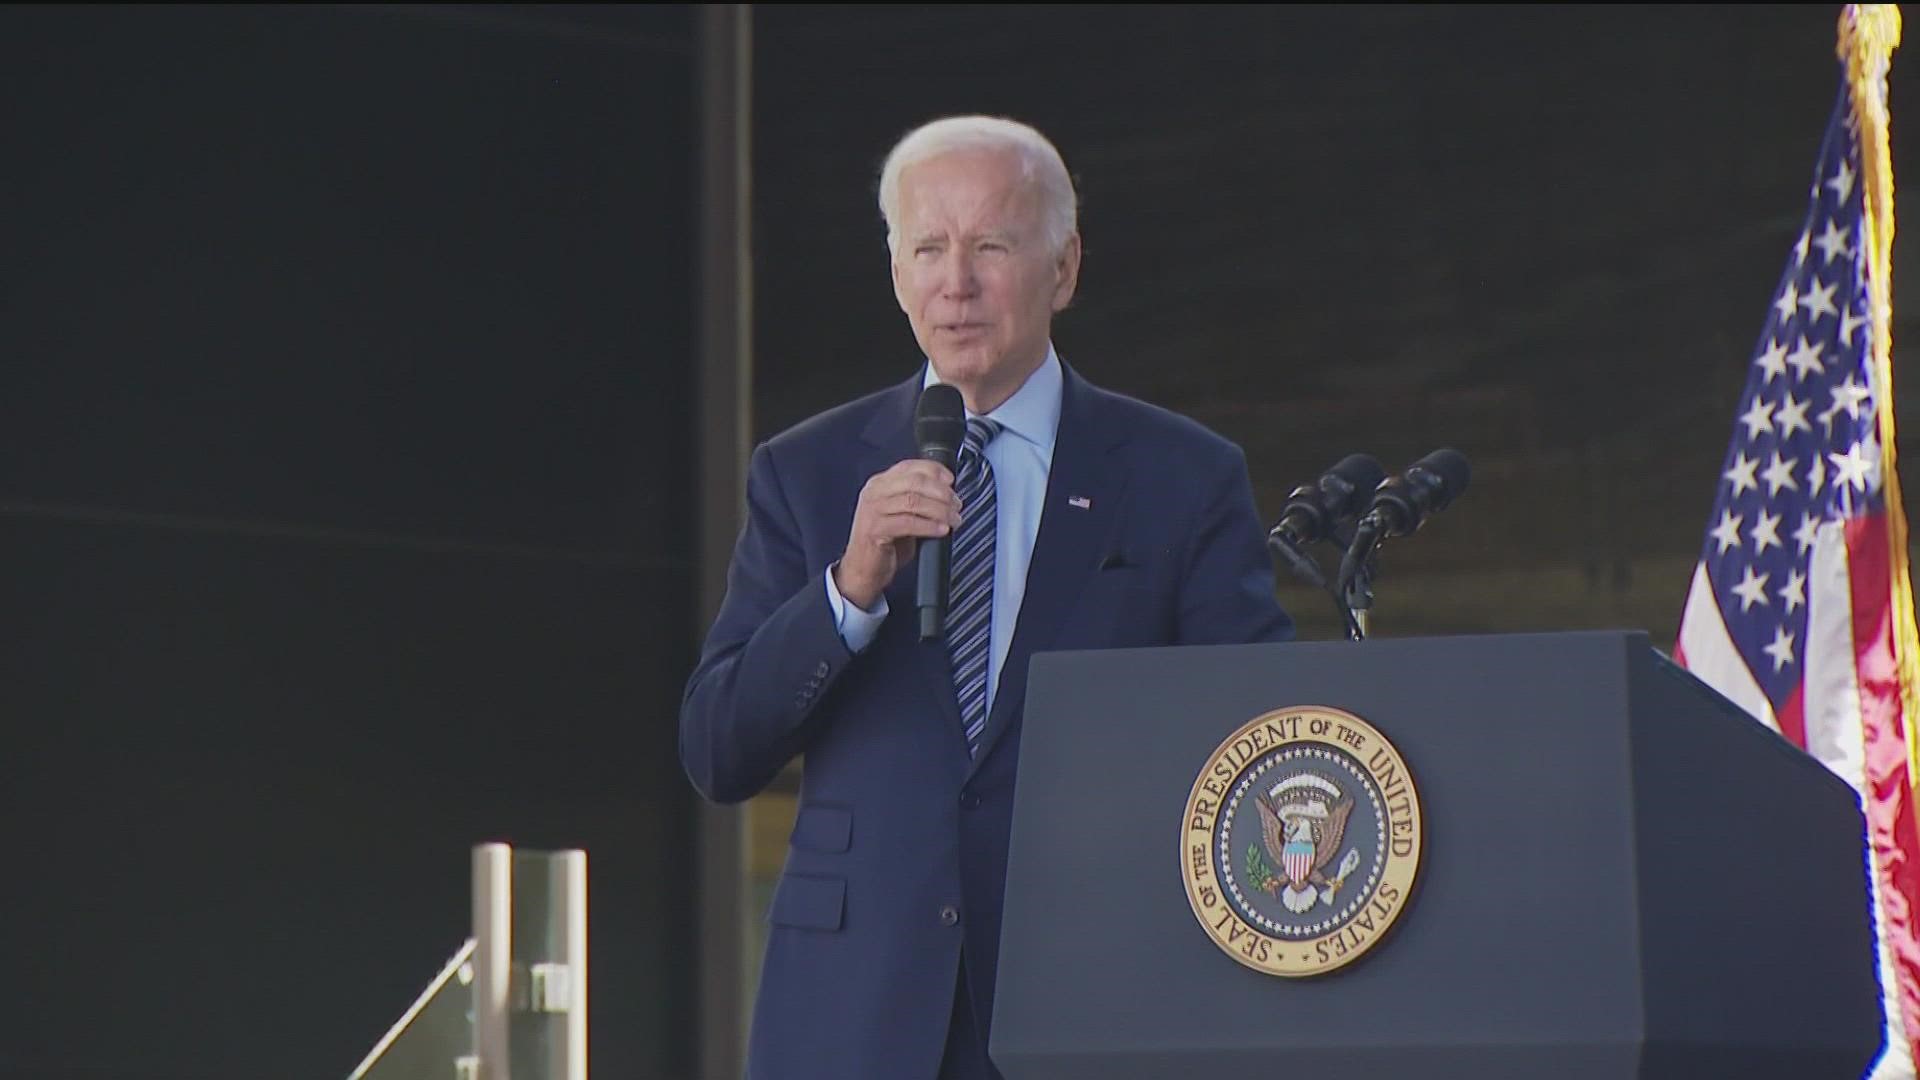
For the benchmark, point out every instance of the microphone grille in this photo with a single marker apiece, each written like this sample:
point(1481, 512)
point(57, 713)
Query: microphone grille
point(940, 420)
point(1451, 469)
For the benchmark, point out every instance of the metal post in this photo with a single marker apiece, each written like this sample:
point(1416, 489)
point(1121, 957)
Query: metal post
point(492, 958)
point(569, 893)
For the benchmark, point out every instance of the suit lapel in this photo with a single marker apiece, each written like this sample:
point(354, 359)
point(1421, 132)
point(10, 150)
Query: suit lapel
point(889, 438)
point(1084, 491)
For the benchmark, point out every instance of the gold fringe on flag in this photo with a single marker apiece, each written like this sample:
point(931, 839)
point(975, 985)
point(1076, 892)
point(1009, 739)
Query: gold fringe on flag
point(1868, 35)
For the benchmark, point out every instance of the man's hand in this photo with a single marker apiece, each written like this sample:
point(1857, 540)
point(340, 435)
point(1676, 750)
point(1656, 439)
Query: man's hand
point(898, 508)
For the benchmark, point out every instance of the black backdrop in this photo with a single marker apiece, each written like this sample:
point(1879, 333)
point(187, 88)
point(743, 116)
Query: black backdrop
point(344, 454)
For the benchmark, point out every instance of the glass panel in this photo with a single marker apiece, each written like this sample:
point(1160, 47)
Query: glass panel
point(433, 1034)
point(537, 1033)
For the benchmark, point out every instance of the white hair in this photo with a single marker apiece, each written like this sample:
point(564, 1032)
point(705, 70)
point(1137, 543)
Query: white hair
point(1040, 163)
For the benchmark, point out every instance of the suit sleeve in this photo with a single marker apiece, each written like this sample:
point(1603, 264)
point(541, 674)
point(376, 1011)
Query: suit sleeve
point(1227, 596)
point(752, 702)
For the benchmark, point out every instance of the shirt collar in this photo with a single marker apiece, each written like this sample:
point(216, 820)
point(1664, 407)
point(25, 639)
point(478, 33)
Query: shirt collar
point(1033, 412)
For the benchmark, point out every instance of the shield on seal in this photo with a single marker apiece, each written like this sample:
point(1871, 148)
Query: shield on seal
point(1298, 859)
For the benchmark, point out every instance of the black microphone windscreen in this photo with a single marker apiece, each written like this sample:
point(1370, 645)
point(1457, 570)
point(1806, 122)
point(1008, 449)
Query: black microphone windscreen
point(1361, 473)
point(1451, 467)
point(940, 423)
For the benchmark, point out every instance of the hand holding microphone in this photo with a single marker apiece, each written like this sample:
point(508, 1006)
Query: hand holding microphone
point(939, 426)
point(909, 505)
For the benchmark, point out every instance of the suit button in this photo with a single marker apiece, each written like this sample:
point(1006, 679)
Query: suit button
point(969, 801)
point(821, 671)
point(949, 916)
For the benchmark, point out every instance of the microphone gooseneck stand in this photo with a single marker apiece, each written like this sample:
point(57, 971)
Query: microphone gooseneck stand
point(1351, 594)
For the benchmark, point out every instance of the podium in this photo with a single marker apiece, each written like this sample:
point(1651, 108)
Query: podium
point(1621, 875)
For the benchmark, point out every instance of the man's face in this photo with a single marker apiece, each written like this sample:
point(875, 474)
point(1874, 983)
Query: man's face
point(973, 272)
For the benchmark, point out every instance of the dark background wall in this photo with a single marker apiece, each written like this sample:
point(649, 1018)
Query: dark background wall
point(343, 453)
point(345, 385)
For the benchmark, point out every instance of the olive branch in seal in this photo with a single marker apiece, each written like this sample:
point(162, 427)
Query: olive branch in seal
point(1259, 874)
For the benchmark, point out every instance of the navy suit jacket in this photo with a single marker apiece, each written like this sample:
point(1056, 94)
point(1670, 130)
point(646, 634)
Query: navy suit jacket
point(897, 861)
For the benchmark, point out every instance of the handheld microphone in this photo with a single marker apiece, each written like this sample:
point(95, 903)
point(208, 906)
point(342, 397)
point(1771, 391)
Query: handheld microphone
point(939, 427)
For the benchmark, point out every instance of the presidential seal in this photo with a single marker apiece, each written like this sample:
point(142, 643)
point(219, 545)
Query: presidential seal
point(1301, 841)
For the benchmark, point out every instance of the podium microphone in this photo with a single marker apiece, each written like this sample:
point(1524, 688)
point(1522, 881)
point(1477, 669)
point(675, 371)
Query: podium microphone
point(939, 426)
point(1401, 504)
point(1313, 510)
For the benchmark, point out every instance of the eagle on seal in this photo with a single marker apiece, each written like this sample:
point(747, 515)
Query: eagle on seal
point(1302, 820)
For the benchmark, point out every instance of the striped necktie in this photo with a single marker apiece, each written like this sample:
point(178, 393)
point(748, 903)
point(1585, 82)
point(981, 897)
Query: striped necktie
point(970, 594)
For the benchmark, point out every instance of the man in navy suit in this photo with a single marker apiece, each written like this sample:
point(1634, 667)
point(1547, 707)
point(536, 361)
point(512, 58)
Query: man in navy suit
point(1090, 520)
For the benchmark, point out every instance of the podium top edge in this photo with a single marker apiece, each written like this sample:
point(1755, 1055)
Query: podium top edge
point(1628, 637)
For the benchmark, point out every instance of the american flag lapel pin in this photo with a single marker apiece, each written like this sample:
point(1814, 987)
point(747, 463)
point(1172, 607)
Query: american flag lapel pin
point(1080, 502)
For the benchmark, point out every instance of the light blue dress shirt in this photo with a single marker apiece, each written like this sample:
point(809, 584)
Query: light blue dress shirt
point(1021, 456)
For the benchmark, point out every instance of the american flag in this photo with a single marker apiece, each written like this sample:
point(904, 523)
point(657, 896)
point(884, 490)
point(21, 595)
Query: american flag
point(1801, 609)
